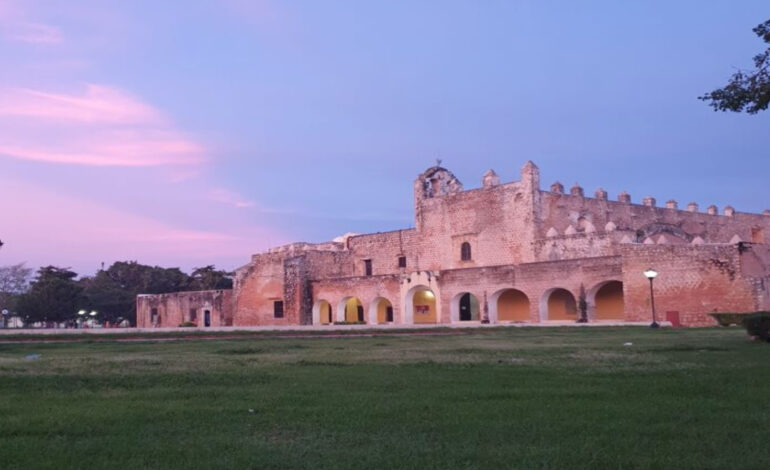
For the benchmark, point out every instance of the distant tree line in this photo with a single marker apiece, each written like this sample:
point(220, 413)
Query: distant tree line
point(56, 294)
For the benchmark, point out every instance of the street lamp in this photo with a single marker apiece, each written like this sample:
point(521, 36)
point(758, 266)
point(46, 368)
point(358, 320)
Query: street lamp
point(651, 274)
point(5, 314)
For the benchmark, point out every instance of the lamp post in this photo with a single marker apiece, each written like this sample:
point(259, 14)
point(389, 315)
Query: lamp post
point(5, 314)
point(651, 274)
point(81, 314)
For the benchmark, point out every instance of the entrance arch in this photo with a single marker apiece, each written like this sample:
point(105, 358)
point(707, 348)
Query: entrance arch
point(352, 310)
point(465, 307)
point(381, 311)
point(322, 313)
point(608, 301)
point(421, 305)
point(510, 305)
point(558, 304)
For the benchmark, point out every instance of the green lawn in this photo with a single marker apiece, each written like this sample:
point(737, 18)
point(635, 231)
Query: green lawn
point(493, 398)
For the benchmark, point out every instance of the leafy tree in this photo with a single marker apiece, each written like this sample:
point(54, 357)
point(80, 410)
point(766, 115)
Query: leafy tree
point(54, 295)
point(746, 90)
point(112, 301)
point(112, 292)
point(208, 277)
point(14, 281)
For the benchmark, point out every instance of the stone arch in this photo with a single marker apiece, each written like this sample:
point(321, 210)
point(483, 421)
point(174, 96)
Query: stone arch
point(351, 310)
point(654, 229)
point(558, 304)
point(323, 313)
point(465, 307)
point(509, 305)
point(381, 311)
point(421, 305)
point(606, 302)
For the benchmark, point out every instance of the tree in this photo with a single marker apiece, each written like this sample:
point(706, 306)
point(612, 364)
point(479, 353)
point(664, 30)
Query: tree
point(54, 295)
point(746, 90)
point(208, 278)
point(582, 305)
point(14, 281)
point(112, 292)
point(111, 300)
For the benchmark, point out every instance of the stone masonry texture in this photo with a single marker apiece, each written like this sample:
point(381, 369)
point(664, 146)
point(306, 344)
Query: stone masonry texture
point(552, 246)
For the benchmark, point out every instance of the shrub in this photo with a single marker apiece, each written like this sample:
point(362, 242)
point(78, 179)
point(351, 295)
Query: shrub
point(187, 324)
point(758, 325)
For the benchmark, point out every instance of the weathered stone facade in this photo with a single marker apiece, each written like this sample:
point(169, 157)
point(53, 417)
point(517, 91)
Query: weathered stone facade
point(202, 308)
point(503, 253)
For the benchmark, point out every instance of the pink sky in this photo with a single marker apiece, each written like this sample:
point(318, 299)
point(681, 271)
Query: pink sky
point(196, 132)
point(92, 132)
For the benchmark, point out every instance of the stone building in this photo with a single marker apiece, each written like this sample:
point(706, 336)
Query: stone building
point(505, 252)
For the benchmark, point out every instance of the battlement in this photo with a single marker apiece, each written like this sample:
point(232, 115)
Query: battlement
point(623, 197)
point(437, 181)
point(298, 247)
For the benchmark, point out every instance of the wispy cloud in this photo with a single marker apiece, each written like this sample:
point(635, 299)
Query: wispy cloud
point(99, 104)
point(16, 26)
point(35, 33)
point(101, 126)
point(88, 232)
point(226, 196)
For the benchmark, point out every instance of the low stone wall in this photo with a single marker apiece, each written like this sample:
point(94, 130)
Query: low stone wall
point(209, 308)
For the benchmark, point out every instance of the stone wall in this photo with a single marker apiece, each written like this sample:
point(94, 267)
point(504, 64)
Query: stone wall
point(524, 238)
point(176, 308)
point(584, 214)
point(693, 281)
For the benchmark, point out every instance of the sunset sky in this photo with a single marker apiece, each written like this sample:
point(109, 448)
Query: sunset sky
point(186, 133)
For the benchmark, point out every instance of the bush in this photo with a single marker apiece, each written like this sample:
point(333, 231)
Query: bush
point(187, 324)
point(758, 325)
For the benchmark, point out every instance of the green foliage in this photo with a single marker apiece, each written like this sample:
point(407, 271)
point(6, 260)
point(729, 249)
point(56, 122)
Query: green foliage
point(746, 90)
point(758, 325)
point(112, 292)
point(208, 278)
point(187, 324)
point(582, 306)
point(54, 296)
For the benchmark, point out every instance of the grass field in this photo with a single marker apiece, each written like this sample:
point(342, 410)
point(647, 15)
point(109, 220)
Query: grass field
point(493, 398)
